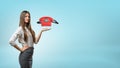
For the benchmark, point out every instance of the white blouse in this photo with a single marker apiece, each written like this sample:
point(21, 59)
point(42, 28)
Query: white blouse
point(19, 34)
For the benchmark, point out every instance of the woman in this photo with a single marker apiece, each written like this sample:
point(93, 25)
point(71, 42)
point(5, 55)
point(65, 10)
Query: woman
point(25, 36)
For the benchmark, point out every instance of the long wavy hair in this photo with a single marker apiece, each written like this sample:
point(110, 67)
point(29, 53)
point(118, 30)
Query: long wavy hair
point(28, 25)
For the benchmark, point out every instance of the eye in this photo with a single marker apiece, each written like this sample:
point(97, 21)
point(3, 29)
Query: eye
point(27, 16)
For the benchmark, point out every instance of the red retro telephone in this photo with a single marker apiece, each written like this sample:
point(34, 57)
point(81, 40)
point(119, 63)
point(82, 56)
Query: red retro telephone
point(46, 21)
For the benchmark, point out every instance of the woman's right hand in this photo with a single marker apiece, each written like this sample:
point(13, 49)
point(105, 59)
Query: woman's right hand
point(24, 48)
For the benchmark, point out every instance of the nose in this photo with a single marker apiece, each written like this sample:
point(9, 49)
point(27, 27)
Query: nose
point(28, 17)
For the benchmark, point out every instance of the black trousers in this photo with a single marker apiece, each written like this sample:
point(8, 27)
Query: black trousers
point(25, 58)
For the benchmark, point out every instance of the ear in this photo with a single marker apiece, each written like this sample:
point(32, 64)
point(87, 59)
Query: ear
point(54, 21)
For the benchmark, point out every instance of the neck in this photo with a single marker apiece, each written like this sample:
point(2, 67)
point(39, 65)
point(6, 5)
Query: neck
point(26, 25)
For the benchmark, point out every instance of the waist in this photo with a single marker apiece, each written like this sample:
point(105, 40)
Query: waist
point(28, 47)
point(30, 50)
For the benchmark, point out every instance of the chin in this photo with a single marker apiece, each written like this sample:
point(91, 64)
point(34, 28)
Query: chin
point(26, 22)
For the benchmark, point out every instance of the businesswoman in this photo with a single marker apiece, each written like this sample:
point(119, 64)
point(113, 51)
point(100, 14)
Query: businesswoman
point(26, 36)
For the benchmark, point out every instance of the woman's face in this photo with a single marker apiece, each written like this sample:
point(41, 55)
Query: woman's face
point(27, 18)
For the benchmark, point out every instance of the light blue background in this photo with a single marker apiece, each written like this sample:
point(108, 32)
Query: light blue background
point(88, 35)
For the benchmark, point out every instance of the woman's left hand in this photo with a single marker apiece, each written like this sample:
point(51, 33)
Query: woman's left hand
point(45, 29)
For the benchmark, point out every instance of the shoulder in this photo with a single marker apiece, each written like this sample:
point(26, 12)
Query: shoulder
point(19, 29)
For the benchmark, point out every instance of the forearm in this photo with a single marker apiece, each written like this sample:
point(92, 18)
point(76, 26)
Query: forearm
point(38, 37)
point(40, 34)
point(12, 43)
point(18, 48)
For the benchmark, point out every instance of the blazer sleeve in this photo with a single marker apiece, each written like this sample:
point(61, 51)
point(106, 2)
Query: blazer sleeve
point(18, 34)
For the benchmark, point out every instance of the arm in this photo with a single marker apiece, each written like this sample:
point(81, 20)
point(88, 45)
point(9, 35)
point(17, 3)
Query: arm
point(14, 38)
point(18, 48)
point(39, 35)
